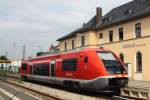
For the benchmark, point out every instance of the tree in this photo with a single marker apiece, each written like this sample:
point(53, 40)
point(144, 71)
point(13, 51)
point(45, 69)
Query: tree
point(39, 54)
point(3, 58)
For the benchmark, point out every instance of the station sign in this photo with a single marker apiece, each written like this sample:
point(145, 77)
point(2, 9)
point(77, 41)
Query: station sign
point(132, 45)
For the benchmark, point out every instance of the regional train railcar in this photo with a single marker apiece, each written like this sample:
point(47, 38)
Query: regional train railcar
point(90, 69)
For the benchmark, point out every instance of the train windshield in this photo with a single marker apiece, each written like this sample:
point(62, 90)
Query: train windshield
point(112, 65)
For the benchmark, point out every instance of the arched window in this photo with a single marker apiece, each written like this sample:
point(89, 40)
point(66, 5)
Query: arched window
point(139, 62)
point(121, 56)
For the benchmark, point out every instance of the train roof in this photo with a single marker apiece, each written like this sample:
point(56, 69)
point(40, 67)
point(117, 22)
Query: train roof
point(58, 55)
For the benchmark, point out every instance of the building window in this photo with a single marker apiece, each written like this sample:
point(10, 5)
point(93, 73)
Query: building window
point(69, 64)
point(100, 35)
point(109, 18)
point(138, 30)
point(82, 41)
point(121, 34)
point(65, 46)
point(72, 44)
point(101, 47)
point(139, 62)
point(110, 36)
point(121, 56)
point(128, 12)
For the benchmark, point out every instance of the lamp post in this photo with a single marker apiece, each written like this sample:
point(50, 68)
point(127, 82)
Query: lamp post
point(14, 51)
point(6, 61)
point(6, 54)
point(40, 53)
point(40, 48)
point(24, 52)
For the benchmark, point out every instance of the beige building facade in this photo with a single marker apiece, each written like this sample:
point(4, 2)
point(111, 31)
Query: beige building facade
point(130, 45)
point(127, 34)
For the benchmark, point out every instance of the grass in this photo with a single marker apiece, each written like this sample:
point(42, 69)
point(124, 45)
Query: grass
point(3, 74)
point(20, 80)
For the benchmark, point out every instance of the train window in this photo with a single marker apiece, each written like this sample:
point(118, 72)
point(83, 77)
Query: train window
point(106, 55)
point(41, 69)
point(69, 65)
point(86, 60)
point(112, 65)
point(24, 66)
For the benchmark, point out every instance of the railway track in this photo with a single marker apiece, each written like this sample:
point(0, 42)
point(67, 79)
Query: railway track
point(83, 94)
point(43, 96)
point(31, 91)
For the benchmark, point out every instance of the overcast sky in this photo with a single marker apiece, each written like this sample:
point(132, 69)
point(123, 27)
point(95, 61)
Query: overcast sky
point(41, 22)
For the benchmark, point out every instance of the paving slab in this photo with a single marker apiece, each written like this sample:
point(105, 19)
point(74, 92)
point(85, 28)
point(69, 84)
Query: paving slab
point(140, 84)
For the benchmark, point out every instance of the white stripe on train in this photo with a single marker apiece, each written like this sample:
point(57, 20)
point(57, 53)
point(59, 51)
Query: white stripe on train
point(71, 79)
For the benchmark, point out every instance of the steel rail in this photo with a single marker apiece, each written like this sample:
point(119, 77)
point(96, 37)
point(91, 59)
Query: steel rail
point(31, 91)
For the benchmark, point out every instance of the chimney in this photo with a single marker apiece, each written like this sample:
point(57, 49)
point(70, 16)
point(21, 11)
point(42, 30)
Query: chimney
point(98, 14)
point(84, 24)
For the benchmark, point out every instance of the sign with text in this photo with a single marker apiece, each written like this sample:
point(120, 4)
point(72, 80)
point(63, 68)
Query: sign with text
point(132, 45)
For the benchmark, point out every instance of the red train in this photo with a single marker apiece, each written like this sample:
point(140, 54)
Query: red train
point(88, 69)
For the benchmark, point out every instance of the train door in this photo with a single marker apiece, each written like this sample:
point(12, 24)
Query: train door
point(52, 68)
point(31, 69)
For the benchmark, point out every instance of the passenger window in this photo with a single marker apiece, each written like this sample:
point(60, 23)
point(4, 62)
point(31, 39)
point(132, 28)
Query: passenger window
point(86, 60)
point(69, 64)
point(41, 69)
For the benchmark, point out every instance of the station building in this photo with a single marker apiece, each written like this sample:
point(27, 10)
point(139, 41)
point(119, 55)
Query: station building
point(4, 64)
point(14, 66)
point(124, 30)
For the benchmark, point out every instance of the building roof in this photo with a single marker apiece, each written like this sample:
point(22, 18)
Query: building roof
point(5, 61)
point(129, 11)
point(132, 10)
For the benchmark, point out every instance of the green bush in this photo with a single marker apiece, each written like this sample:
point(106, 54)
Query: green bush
point(3, 74)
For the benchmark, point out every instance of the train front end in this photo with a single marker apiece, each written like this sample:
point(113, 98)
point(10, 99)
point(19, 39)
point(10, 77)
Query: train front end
point(110, 72)
point(116, 71)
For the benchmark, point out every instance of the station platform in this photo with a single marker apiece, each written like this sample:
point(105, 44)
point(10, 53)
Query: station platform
point(137, 89)
point(142, 84)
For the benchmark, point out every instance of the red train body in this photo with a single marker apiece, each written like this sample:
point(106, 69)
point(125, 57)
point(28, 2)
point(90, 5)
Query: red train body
point(89, 69)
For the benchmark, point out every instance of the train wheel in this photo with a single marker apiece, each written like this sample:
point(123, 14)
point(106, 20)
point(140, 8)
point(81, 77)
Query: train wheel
point(76, 85)
point(70, 85)
point(65, 85)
